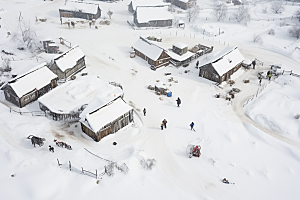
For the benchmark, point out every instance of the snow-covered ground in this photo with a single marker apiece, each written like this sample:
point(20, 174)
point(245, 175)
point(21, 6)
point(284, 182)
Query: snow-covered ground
point(260, 154)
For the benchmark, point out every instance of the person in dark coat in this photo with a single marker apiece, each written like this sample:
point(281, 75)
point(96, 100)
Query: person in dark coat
point(162, 126)
point(197, 63)
point(144, 111)
point(270, 75)
point(178, 102)
point(192, 126)
point(253, 63)
point(260, 82)
point(165, 123)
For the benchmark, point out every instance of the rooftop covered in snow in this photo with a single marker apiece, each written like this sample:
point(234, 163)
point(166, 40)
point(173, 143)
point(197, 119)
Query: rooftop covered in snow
point(152, 51)
point(69, 58)
point(99, 118)
point(80, 6)
point(72, 95)
point(36, 78)
point(146, 14)
point(136, 3)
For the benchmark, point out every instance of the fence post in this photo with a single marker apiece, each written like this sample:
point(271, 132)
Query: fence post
point(82, 170)
point(10, 110)
point(96, 174)
point(58, 162)
point(70, 165)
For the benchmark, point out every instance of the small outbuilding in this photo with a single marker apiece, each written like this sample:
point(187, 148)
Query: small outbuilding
point(68, 63)
point(153, 54)
point(28, 87)
point(223, 65)
point(152, 17)
point(80, 9)
point(98, 122)
point(183, 4)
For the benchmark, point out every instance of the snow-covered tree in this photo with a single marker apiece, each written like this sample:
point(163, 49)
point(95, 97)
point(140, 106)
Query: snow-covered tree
point(297, 14)
point(277, 6)
point(220, 11)
point(109, 13)
point(257, 38)
point(242, 14)
point(295, 31)
point(193, 12)
point(6, 66)
point(171, 6)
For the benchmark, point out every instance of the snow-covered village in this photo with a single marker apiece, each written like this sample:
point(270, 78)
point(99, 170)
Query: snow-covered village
point(149, 99)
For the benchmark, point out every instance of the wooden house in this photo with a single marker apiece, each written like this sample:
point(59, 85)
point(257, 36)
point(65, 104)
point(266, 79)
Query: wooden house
point(28, 87)
point(179, 48)
point(80, 9)
point(145, 3)
point(152, 17)
point(222, 66)
point(105, 120)
point(183, 4)
point(153, 54)
point(68, 63)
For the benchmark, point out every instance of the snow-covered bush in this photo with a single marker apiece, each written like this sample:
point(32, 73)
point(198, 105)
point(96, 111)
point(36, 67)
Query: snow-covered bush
point(242, 14)
point(297, 14)
point(265, 9)
point(109, 13)
point(271, 32)
point(277, 6)
point(148, 164)
point(295, 31)
point(257, 38)
point(220, 11)
point(5, 66)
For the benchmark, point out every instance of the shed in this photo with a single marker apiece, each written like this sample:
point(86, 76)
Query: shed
point(145, 3)
point(183, 4)
point(80, 9)
point(150, 52)
point(180, 48)
point(68, 63)
point(28, 87)
point(223, 65)
point(152, 17)
point(98, 121)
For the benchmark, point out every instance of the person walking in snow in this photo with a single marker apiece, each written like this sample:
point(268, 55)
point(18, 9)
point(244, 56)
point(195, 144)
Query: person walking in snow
point(144, 111)
point(197, 64)
point(162, 126)
point(192, 126)
point(178, 102)
point(260, 82)
point(270, 75)
point(253, 63)
point(165, 123)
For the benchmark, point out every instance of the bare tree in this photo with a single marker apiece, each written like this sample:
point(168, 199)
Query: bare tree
point(295, 31)
point(171, 6)
point(220, 11)
point(257, 38)
point(277, 6)
point(255, 2)
point(27, 37)
point(297, 14)
point(242, 14)
point(265, 9)
point(6, 66)
point(110, 13)
point(193, 12)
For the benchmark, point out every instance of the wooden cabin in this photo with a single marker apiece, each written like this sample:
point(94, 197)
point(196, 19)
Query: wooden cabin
point(68, 63)
point(152, 17)
point(179, 48)
point(222, 66)
point(183, 4)
point(145, 3)
point(153, 54)
point(107, 119)
point(80, 9)
point(28, 87)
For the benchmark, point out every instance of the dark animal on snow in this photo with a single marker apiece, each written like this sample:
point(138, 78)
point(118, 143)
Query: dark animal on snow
point(62, 144)
point(36, 140)
point(51, 148)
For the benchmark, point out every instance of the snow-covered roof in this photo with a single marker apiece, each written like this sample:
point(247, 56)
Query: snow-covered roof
point(107, 114)
point(180, 45)
point(69, 58)
point(73, 94)
point(226, 60)
point(146, 14)
point(80, 6)
point(136, 3)
point(150, 50)
point(36, 78)
point(177, 57)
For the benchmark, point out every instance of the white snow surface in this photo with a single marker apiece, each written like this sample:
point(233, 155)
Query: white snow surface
point(147, 48)
point(136, 3)
point(182, 57)
point(69, 58)
point(80, 6)
point(261, 162)
point(146, 14)
point(74, 94)
point(36, 78)
point(98, 119)
point(180, 45)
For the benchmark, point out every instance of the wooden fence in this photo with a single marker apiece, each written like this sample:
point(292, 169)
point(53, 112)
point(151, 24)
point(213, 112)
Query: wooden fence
point(33, 113)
